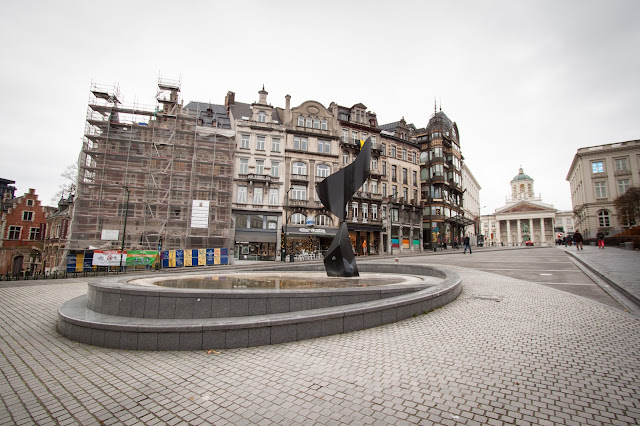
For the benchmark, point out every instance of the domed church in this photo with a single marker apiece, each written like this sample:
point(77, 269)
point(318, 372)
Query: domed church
point(524, 220)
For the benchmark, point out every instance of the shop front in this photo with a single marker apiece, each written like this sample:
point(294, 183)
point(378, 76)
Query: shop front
point(255, 245)
point(309, 240)
point(365, 240)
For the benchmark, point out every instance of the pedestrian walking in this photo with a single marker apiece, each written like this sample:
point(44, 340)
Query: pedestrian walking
point(467, 245)
point(577, 237)
point(600, 237)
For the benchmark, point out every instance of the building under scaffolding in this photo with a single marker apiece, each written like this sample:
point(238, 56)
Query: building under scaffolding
point(173, 164)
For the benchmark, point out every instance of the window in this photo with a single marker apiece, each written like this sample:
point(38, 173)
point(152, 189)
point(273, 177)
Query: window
point(298, 192)
point(262, 117)
point(260, 143)
point(394, 173)
point(374, 212)
point(323, 220)
point(394, 191)
point(383, 148)
point(384, 168)
point(244, 166)
point(14, 232)
point(404, 176)
point(29, 203)
point(275, 169)
point(404, 154)
point(384, 189)
point(242, 194)
point(415, 196)
point(323, 125)
point(244, 143)
point(298, 219)
point(273, 196)
point(597, 167)
point(323, 170)
point(354, 136)
point(393, 151)
point(34, 233)
point(316, 123)
point(374, 163)
point(345, 157)
point(259, 167)
point(308, 122)
point(300, 143)
point(374, 186)
point(345, 135)
point(623, 186)
point(301, 121)
point(601, 189)
point(365, 212)
point(275, 145)
point(324, 146)
point(27, 216)
point(621, 163)
point(299, 168)
point(415, 178)
point(603, 218)
point(354, 210)
point(257, 195)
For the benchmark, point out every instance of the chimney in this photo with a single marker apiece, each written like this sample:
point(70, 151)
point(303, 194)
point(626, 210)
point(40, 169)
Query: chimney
point(230, 99)
point(287, 109)
point(263, 96)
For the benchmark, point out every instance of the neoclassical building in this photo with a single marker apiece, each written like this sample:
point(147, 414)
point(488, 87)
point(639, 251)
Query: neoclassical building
point(524, 218)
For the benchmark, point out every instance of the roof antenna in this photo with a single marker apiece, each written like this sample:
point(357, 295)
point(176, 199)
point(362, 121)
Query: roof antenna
point(440, 104)
point(435, 105)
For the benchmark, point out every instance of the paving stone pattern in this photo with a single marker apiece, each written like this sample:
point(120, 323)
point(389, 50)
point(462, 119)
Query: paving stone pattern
point(505, 351)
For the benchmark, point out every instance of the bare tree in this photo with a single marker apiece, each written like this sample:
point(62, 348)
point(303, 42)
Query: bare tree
point(628, 206)
point(68, 185)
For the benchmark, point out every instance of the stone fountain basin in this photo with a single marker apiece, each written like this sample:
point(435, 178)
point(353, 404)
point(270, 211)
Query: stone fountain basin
point(130, 313)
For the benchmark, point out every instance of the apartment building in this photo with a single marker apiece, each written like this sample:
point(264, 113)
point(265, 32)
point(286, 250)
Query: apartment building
point(597, 176)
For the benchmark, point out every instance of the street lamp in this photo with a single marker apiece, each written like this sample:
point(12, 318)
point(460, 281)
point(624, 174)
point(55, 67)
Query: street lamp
point(283, 250)
point(124, 228)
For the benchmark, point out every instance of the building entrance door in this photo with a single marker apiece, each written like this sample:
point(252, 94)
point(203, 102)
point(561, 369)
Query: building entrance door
point(17, 265)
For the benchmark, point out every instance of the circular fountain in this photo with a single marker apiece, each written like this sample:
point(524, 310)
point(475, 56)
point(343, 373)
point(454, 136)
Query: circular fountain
point(231, 309)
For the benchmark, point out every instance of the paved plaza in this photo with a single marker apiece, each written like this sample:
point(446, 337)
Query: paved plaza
point(505, 352)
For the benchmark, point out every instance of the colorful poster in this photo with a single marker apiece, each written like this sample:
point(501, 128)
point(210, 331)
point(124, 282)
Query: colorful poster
point(140, 257)
point(172, 258)
point(188, 258)
point(108, 257)
point(202, 257)
point(395, 243)
point(179, 258)
point(210, 256)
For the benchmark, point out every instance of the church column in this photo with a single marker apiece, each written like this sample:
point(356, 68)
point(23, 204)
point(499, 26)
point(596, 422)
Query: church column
point(519, 235)
point(498, 236)
point(543, 236)
point(509, 242)
point(531, 234)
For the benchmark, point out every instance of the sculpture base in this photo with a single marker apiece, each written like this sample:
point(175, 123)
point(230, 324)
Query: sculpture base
point(340, 260)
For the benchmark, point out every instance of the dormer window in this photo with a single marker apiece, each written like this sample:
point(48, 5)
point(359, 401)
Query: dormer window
point(301, 121)
point(323, 125)
point(308, 122)
point(262, 117)
point(316, 123)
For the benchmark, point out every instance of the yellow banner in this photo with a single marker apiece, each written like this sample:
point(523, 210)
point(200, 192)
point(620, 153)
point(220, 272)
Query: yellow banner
point(202, 257)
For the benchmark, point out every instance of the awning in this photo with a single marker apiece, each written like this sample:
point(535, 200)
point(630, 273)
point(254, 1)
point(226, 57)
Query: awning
point(316, 232)
point(256, 236)
point(360, 227)
point(462, 221)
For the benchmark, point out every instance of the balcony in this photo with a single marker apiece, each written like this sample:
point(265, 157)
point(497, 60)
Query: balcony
point(299, 178)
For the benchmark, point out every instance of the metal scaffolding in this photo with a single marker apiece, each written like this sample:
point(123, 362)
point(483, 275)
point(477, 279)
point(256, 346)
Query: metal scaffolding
point(167, 156)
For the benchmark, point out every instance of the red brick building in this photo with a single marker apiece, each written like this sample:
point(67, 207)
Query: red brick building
point(22, 229)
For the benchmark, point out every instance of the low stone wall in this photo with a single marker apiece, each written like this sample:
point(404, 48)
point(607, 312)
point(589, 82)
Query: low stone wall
point(78, 322)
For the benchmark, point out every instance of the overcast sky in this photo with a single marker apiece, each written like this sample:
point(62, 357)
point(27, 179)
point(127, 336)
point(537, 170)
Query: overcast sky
point(528, 82)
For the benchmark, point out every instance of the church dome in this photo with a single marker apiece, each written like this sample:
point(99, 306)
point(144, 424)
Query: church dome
point(521, 176)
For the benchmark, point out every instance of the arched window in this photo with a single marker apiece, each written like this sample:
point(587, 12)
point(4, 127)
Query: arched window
point(298, 219)
point(301, 121)
point(323, 125)
point(603, 218)
point(316, 123)
point(299, 168)
point(308, 122)
point(323, 220)
point(345, 157)
point(323, 170)
point(262, 117)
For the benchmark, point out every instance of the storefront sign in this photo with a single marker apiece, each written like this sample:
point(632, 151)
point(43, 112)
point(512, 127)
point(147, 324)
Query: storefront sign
point(312, 230)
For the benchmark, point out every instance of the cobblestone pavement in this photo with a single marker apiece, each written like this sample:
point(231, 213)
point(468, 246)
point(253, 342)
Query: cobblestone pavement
point(505, 351)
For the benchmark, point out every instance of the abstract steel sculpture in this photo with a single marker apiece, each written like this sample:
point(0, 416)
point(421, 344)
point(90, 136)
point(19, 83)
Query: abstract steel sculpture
point(334, 193)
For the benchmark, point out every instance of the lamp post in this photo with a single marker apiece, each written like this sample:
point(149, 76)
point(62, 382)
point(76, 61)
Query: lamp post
point(283, 250)
point(124, 228)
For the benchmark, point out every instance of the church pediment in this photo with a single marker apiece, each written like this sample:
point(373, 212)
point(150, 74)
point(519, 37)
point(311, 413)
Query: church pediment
point(525, 207)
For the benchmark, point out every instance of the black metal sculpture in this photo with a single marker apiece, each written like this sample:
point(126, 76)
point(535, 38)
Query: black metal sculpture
point(334, 193)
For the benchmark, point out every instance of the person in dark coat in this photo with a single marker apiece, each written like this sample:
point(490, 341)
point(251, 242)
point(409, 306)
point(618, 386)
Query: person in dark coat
point(577, 237)
point(467, 245)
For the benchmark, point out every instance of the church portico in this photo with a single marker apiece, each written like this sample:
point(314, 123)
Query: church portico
point(525, 219)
